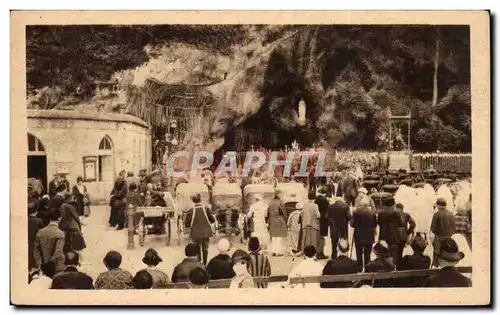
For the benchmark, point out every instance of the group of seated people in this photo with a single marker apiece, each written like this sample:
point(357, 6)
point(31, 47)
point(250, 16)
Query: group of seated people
point(241, 267)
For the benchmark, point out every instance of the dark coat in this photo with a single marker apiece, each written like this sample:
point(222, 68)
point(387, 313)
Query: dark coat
point(277, 216)
point(49, 245)
point(349, 187)
point(448, 277)
point(182, 270)
point(56, 202)
point(339, 216)
point(34, 225)
point(414, 262)
point(342, 265)
point(72, 279)
point(382, 265)
point(200, 226)
point(71, 226)
point(408, 226)
point(364, 222)
point(220, 267)
point(389, 222)
point(53, 188)
point(323, 204)
point(80, 205)
point(443, 223)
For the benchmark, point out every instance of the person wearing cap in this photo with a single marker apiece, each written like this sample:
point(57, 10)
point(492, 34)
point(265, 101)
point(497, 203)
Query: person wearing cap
point(70, 278)
point(448, 276)
point(277, 217)
point(242, 279)
point(309, 266)
point(293, 225)
point(389, 222)
point(198, 278)
point(221, 266)
point(364, 222)
point(152, 260)
point(181, 271)
point(115, 278)
point(442, 227)
point(383, 263)
point(323, 205)
point(310, 223)
point(258, 214)
point(199, 220)
point(59, 198)
point(417, 261)
point(259, 265)
point(341, 265)
point(405, 231)
point(339, 215)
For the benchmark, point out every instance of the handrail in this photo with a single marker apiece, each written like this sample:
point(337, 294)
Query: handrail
point(318, 279)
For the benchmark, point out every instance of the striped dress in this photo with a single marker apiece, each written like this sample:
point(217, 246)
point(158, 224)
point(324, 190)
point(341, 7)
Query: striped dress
point(259, 267)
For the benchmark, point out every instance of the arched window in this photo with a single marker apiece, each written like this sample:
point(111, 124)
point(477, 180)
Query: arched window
point(35, 145)
point(105, 160)
point(105, 143)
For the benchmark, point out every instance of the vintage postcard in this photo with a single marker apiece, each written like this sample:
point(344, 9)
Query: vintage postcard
point(250, 158)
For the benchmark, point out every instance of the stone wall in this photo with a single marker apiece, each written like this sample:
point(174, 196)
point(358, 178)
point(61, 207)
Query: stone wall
point(69, 136)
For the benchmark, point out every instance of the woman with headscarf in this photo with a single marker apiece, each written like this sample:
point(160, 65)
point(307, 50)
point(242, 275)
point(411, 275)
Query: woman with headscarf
point(258, 213)
point(81, 196)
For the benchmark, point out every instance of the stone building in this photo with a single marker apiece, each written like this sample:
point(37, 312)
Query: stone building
point(96, 146)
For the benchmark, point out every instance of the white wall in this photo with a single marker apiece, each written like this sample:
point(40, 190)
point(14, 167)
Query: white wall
point(67, 139)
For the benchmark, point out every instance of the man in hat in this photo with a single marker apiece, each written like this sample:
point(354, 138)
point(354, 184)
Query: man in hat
point(339, 216)
point(152, 260)
point(442, 226)
point(417, 261)
point(70, 278)
point(115, 278)
point(448, 256)
point(364, 222)
point(259, 265)
point(341, 265)
point(323, 204)
point(349, 187)
point(242, 279)
point(192, 261)
point(383, 263)
point(130, 179)
point(198, 278)
point(198, 219)
point(221, 266)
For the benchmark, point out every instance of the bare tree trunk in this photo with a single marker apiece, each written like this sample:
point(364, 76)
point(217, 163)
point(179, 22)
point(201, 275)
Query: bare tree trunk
point(436, 66)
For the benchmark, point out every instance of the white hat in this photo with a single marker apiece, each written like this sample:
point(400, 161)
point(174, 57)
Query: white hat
point(223, 245)
point(299, 206)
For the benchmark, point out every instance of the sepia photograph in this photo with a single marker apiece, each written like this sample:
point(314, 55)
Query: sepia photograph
point(281, 152)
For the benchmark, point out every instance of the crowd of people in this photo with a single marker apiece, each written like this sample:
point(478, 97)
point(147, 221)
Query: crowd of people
point(55, 237)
